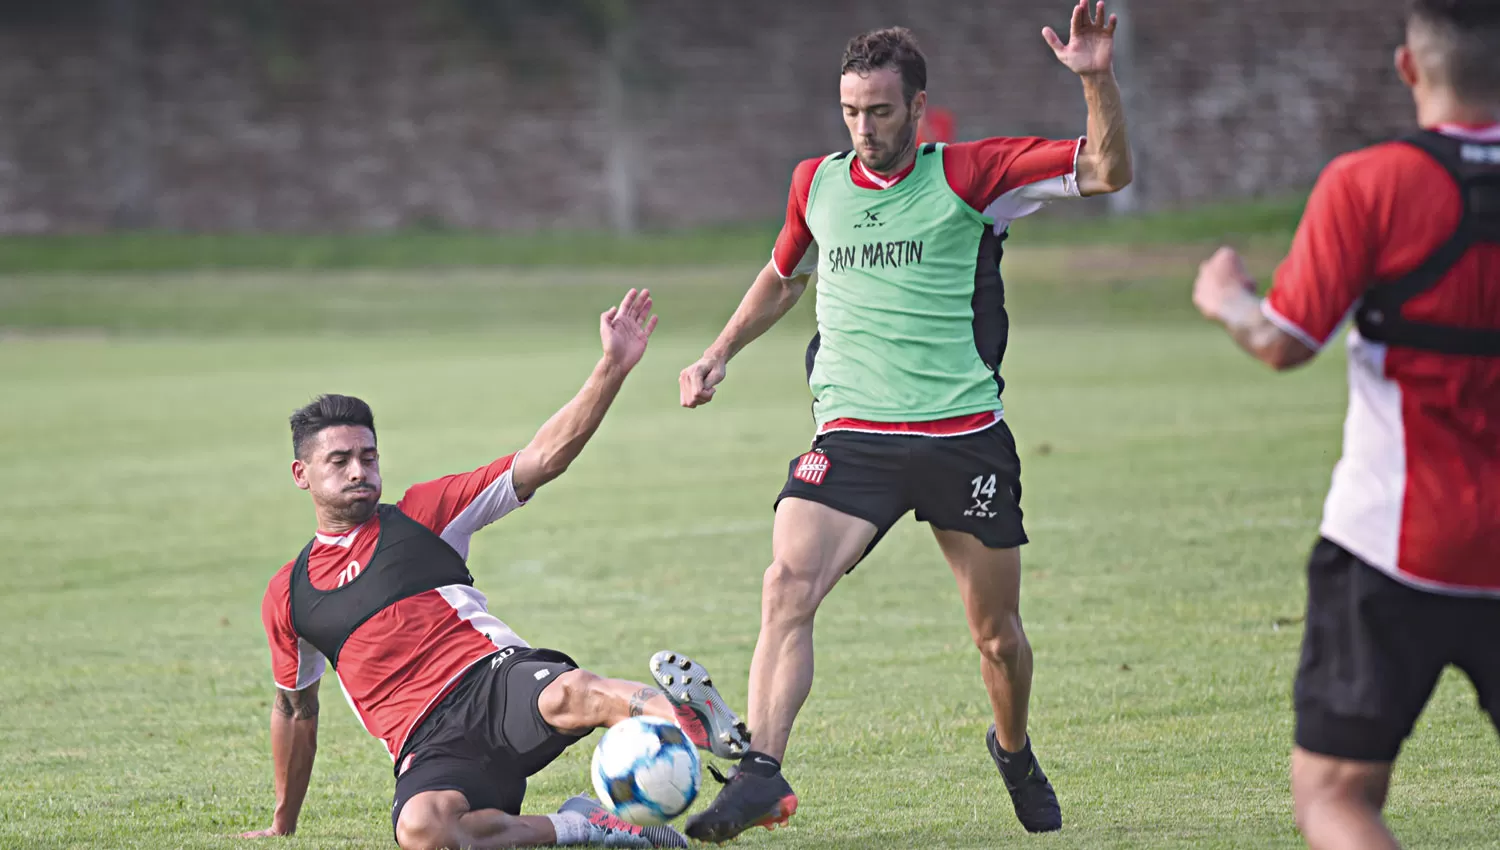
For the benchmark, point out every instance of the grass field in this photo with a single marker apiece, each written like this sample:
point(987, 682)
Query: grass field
point(1172, 492)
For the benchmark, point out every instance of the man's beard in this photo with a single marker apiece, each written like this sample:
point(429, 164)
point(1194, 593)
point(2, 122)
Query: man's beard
point(356, 511)
point(904, 141)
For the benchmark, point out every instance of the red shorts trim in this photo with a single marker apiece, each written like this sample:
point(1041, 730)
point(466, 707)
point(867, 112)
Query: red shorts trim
point(954, 427)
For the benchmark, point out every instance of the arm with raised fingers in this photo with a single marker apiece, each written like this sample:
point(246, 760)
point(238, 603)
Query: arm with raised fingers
point(1104, 165)
point(623, 331)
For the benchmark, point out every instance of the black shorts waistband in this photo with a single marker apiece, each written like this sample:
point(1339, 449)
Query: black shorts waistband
point(461, 686)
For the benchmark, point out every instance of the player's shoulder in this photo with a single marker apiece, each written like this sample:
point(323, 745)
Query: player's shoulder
point(1389, 162)
point(276, 602)
point(1389, 175)
point(999, 145)
point(988, 142)
point(802, 174)
point(1032, 157)
point(417, 494)
point(435, 503)
point(281, 580)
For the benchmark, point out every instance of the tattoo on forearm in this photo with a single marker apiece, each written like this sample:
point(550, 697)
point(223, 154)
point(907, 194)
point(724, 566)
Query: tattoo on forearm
point(298, 705)
point(639, 699)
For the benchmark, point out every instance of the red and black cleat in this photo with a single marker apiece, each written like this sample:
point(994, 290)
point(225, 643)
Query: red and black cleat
point(701, 711)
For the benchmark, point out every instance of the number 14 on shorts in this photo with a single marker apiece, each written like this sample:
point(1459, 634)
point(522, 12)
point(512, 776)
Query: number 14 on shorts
point(983, 495)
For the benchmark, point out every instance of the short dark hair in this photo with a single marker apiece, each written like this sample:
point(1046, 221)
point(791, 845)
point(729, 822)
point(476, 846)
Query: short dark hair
point(892, 47)
point(1469, 32)
point(328, 411)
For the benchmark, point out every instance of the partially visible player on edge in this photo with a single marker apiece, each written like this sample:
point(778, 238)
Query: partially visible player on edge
point(905, 374)
point(466, 709)
point(1405, 579)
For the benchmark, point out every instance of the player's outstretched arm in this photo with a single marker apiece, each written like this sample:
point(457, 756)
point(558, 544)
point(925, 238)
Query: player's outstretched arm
point(294, 743)
point(624, 331)
point(1104, 165)
point(1225, 293)
point(769, 298)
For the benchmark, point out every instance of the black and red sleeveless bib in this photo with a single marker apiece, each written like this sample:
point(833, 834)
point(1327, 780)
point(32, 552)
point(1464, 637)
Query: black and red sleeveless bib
point(409, 559)
point(1475, 167)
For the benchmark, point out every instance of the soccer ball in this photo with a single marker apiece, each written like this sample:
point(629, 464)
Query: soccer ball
point(645, 771)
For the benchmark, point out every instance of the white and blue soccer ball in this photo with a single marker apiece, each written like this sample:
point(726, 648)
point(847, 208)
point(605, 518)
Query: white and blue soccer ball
point(646, 771)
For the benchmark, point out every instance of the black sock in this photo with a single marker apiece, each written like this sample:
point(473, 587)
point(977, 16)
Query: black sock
point(759, 764)
point(1015, 765)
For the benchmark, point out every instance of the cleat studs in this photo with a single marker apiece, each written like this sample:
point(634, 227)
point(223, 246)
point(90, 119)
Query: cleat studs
point(667, 679)
point(707, 682)
point(670, 657)
point(687, 680)
point(683, 663)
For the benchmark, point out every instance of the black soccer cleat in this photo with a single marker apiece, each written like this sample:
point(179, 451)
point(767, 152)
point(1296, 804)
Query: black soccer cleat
point(746, 800)
point(606, 830)
point(1031, 793)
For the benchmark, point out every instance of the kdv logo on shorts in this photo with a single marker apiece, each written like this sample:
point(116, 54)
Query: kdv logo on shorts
point(983, 495)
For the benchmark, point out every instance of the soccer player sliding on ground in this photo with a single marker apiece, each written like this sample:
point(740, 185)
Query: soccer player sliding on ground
point(466, 709)
point(1405, 579)
point(905, 375)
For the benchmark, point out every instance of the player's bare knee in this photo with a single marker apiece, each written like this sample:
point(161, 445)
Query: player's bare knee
point(426, 828)
point(569, 702)
point(1305, 808)
point(1320, 783)
point(1003, 642)
point(789, 595)
point(1312, 802)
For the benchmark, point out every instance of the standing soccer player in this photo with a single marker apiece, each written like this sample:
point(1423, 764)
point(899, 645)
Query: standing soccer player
point(905, 239)
point(1405, 579)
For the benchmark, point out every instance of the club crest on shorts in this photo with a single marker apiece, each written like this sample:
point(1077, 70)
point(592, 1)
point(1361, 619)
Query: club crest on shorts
point(811, 468)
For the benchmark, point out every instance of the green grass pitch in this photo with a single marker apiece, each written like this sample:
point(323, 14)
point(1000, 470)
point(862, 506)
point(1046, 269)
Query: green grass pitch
point(1172, 490)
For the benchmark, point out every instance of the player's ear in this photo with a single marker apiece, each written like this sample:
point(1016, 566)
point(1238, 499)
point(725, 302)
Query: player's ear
point(918, 105)
point(1406, 66)
point(299, 475)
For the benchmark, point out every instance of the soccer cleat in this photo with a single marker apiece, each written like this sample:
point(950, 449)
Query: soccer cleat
point(1032, 795)
point(746, 800)
point(606, 830)
point(700, 710)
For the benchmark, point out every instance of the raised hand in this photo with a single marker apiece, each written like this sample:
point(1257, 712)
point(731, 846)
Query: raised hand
point(1091, 41)
point(624, 330)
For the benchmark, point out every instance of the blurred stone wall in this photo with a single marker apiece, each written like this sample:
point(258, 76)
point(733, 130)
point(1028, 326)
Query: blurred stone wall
point(342, 115)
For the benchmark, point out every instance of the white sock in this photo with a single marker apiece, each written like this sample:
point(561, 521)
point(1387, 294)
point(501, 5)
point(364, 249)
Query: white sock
point(572, 828)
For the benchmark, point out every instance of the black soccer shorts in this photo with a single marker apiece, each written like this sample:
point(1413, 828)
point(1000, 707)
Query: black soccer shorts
point(487, 735)
point(1372, 651)
point(969, 483)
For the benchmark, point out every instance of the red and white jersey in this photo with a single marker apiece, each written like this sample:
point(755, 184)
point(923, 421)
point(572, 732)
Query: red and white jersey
point(396, 666)
point(1417, 490)
point(1003, 178)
